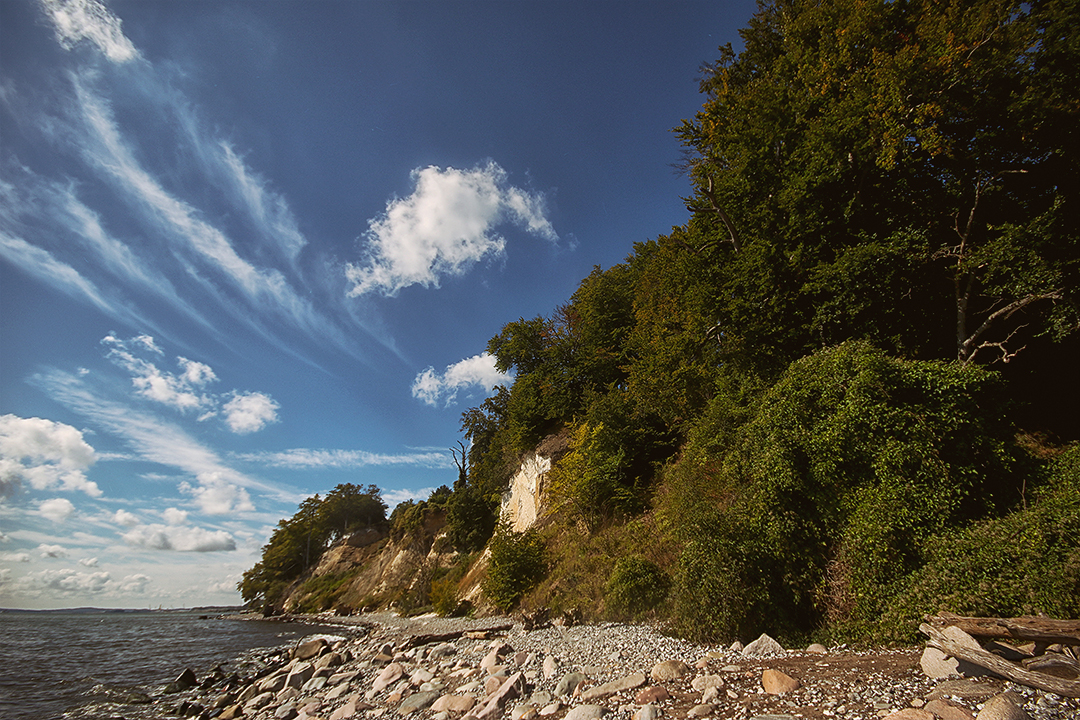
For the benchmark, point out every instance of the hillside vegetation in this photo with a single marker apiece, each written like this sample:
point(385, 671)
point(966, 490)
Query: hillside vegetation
point(844, 393)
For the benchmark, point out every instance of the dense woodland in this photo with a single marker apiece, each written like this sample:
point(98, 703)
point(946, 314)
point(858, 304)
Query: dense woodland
point(844, 393)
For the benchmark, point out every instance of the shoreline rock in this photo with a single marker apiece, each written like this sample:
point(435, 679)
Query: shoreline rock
point(581, 671)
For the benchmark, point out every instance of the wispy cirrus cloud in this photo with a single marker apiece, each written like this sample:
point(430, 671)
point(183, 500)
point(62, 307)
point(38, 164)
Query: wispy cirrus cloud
point(307, 458)
point(77, 20)
point(447, 225)
point(216, 487)
point(477, 371)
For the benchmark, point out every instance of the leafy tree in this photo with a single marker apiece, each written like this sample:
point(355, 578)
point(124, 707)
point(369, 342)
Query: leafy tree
point(349, 506)
point(893, 171)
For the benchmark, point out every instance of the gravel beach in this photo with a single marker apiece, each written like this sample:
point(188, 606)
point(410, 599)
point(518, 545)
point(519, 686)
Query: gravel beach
point(387, 666)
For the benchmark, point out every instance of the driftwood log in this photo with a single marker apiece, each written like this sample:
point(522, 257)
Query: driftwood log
point(1010, 671)
point(418, 640)
point(1036, 629)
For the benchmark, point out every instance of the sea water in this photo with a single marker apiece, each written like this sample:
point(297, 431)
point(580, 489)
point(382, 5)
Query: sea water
point(50, 662)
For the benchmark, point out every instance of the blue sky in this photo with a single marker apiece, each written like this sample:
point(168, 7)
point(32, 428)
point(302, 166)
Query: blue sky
point(252, 250)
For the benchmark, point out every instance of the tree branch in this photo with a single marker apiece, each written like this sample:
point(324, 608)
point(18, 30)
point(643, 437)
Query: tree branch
point(968, 346)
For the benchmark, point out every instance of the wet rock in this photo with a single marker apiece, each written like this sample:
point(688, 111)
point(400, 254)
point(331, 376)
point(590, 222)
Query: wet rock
point(669, 670)
point(775, 682)
point(185, 681)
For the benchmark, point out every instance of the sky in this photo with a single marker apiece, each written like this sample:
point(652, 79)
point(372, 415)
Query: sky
point(253, 250)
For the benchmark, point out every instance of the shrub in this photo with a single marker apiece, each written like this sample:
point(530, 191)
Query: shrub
point(1024, 563)
point(636, 585)
point(823, 502)
point(517, 564)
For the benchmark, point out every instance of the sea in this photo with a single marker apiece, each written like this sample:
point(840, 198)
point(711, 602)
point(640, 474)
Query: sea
point(59, 664)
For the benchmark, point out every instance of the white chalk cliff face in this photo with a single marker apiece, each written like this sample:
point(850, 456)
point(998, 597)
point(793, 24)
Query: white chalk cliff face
point(522, 501)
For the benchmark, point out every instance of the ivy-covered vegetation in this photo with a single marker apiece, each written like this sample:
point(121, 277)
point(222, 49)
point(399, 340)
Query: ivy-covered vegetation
point(843, 394)
point(837, 370)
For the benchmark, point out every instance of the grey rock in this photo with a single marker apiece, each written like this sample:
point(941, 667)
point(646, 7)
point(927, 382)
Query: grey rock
point(513, 688)
point(586, 712)
point(416, 702)
point(568, 683)
point(762, 647)
point(669, 670)
point(701, 710)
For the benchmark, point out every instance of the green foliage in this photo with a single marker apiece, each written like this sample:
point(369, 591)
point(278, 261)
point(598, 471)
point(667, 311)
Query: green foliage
point(636, 586)
point(1025, 563)
point(444, 586)
point(517, 564)
point(829, 492)
point(321, 593)
point(298, 542)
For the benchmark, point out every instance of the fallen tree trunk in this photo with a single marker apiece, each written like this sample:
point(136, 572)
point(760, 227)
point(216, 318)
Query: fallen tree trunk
point(1037, 629)
point(1004, 668)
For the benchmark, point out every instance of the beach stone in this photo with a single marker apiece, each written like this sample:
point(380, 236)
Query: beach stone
point(286, 712)
point(523, 712)
point(610, 688)
point(550, 667)
point(500, 651)
point(421, 676)
point(669, 670)
point(817, 649)
point(390, 674)
point(309, 649)
point(443, 650)
point(964, 689)
point(342, 677)
point(652, 694)
point(457, 704)
point(231, 713)
point(337, 691)
point(329, 660)
point(763, 646)
point(1006, 706)
point(777, 683)
point(493, 683)
point(551, 708)
point(949, 710)
point(703, 682)
point(259, 701)
point(701, 710)
point(316, 683)
point(736, 646)
point(586, 712)
point(249, 692)
point(647, 712)
point(910, 714)
point(569, 683)
point(273, 683)
point(513, 688)
point(300, 674)
point(417, 702)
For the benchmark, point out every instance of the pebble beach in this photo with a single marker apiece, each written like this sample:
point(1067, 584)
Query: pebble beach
point(429, 668)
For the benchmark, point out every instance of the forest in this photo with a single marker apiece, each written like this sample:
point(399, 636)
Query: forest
point(844, 393)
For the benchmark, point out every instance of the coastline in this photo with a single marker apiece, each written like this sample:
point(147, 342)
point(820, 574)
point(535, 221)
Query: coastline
point(490, 668)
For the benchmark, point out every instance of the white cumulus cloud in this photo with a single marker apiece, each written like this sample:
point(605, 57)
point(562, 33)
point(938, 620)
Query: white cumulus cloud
point(47, 455)
point(217, 496)
point(78, 20)
point(444, 227)
point(477, 371)
point(178, 538)
point(52, 551)
point(250, 412)
point(123, 517)
point(58, 509)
